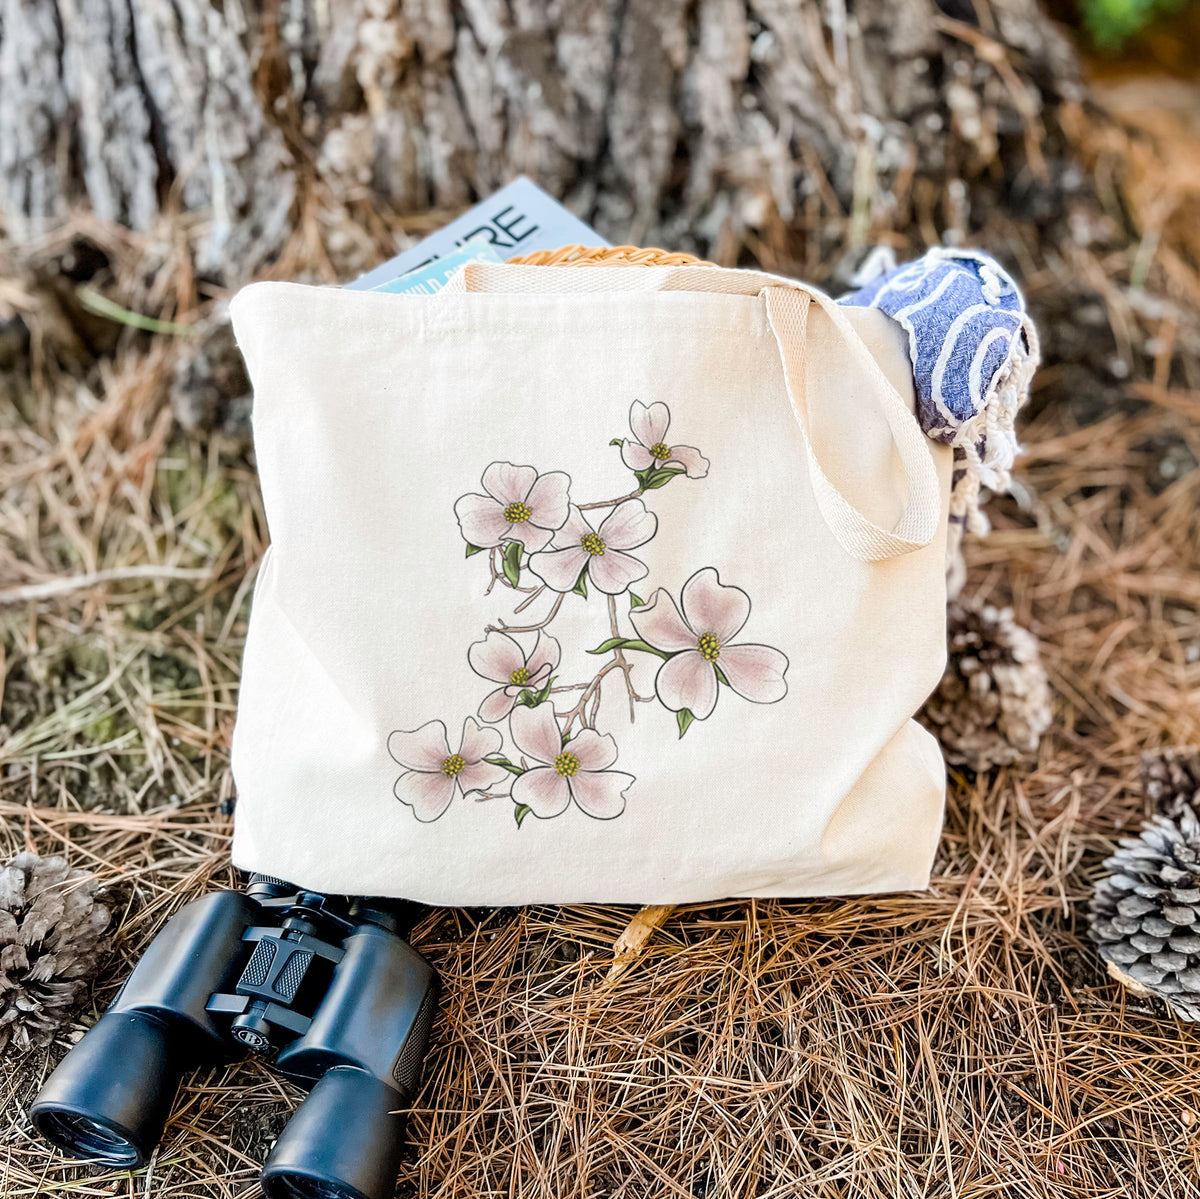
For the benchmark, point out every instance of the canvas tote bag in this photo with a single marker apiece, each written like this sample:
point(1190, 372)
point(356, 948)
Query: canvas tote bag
point(611, 584)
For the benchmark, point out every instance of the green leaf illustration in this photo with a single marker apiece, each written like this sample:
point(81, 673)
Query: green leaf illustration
point(611, 643)
point(618, 441)
point(720, 675)
point(628, 643)
point(544, 693)
point(684, 719)
point(520, 812)
point(512, 562)
point(527, 698)
point(500, 760)
point(636, 601)
point(580, 587)
point(659, 478)
point(473, 549)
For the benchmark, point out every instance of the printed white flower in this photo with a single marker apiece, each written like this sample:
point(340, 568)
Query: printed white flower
point(602, 550)
point(433, 775)
point(498, 657)
point(576, 771)
point(520, 505)
point(649, 444)
point(700, 644)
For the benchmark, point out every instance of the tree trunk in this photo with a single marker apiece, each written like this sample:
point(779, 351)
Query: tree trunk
point(795, 131)
point(133, 107)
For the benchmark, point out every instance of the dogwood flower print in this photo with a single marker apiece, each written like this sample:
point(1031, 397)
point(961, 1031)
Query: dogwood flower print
point(499, 658)
point(601, 550)
point(541, 733)
point(700, 642)
point(519, 505)
point(648, 446)
point(576, 771)
point(433, 775)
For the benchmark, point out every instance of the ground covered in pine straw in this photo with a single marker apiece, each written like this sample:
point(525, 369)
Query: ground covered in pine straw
point(963, 1042)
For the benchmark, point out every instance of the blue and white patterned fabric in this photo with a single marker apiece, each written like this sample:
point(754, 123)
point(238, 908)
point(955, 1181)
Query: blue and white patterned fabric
point(974, 350)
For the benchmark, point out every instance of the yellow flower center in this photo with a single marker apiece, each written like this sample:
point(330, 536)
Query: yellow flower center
point(710, 646)
point(517, 513)
point(660, 451)
point(592, 543)
point(566, 764)
point(519, 676)
point(454, 765)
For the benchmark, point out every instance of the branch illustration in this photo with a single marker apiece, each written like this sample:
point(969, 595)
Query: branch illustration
point(510, 569)
point(590, 690)
point(623, 663)
point(610, 503)
point(526, 602)
point(501, 627)
point(481, 796)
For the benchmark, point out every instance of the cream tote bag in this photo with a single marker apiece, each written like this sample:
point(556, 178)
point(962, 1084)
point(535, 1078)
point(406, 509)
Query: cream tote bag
point(604, 584)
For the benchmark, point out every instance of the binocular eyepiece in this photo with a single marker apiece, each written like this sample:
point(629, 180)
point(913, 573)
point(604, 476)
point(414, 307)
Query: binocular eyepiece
point(328, 990)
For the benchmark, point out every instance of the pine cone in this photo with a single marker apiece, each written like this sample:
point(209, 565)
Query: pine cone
point(993, 702)
point(1145, 915)
point(1171, 781)
point(51, 940)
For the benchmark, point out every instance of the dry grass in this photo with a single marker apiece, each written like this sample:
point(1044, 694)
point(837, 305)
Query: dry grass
point(959, 1043)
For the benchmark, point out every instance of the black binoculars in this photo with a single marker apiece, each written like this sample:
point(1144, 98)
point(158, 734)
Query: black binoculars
point(326, 987)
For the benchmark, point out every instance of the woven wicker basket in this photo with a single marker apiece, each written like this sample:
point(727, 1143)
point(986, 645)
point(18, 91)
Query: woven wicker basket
point(608, 256)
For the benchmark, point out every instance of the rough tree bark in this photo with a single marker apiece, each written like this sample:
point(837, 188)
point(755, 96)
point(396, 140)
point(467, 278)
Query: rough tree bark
point(132, 106)
point(704, 124)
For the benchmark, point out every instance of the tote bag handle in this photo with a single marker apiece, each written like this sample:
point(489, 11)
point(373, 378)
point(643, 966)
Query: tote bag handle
point(787, 305)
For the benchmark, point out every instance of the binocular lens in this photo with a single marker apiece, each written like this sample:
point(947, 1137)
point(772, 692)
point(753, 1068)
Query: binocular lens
point(292, 1186)
point(110, 1096)
point(84, 1137)
point(343, 1143)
